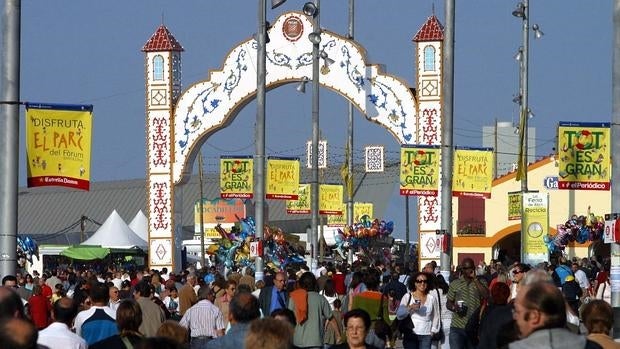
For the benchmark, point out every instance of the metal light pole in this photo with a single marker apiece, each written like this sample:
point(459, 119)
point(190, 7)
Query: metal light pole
point(202, 212)
point(447, 136)
point(259, 158)
point(315, 38)
point(349, 160)
point(9, 136)
point(523, 11)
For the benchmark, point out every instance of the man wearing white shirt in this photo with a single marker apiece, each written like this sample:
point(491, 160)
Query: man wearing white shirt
point(581, 278)
point(58, 335)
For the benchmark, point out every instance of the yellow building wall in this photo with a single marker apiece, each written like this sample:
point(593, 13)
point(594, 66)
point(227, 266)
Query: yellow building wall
point(562, 204)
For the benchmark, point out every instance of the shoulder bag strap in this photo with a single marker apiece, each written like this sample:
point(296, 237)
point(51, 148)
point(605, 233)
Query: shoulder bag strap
point(127, 343)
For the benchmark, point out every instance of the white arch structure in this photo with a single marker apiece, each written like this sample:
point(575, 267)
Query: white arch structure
point(212, 104)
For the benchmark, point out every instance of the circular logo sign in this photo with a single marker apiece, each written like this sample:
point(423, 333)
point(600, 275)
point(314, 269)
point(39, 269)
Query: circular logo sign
point(535, 230)
point(293, 28)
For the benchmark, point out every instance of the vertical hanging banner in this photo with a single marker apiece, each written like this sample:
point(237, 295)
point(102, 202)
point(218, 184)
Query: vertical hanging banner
point(330, 199)
point(302, 204)
point(236, 177)
point(282, 178)
point(514, 206)
point(473, 172)
point(359, 209)
point(58, 144)
point(584, 156)
point(536, 223)
point(419, 170)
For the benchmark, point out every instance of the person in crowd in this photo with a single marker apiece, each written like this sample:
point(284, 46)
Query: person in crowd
point(99, 321)
point(377, 305)
point(572, 293)
point(284, 314)
point(518, 273)
point(355, 286)
point(394, 284)
point(329, 292)
point(357, 325)
point(338, 278)
point(582, 278)
point(244, 308)
point(269, 333)
point(58, 334)
point(46, 290)
point(234, 274)
point(441, 290)
point(260, 284)
point(223, 302)
point(125, 291)
point(598, 318)
point(312, 312)
point(29, 284)
point(11, 281)
point(40, 308)
point(115, 298)
point(128, 319)
point(248, 278)
point(17, 333)
point(53, 279)
point(334, 331)
point(423, 308)
point(173, 330)
point(11, 305)
point(203, 320)
point(59, 292)
point(603, 290)
point(152, 314)
point(540, 316)
point(274, 297)
point(497, 315)
point(465, 295)
point(561, 272)
point(158, 343)
point(172, 303)
point(187, 295)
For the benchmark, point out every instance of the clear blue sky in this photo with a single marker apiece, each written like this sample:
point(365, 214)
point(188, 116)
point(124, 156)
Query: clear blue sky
point(89, 52)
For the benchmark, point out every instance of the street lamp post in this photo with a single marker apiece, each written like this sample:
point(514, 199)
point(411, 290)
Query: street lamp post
point(259, 159)
point(312, 9)
point(523, 11)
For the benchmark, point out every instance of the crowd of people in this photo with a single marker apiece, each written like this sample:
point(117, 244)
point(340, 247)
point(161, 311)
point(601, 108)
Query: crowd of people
point(561, 304)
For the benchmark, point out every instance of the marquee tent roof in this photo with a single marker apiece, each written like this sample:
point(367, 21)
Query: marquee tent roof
point(115, 233)
point(140, 225)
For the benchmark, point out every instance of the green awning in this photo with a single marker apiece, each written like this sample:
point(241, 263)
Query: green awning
point(86, 253)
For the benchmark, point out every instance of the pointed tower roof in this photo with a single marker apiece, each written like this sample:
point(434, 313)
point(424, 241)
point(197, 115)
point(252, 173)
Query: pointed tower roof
point(162, 40)
point(432, 30)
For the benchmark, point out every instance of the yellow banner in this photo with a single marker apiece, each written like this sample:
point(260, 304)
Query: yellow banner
point(236, 177)
point(419, 170)
point(58, 144)
point(359, 209)
point(330, 199)
point(536, 223)
point(302, 204)
point(514, 206)
point(282, 178)
point(473, 172)
point(584, 156)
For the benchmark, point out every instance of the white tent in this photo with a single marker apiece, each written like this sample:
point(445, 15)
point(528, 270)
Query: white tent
point(140, 225)
point(115, 233)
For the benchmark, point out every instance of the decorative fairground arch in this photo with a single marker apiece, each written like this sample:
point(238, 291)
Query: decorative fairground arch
point(178, 124)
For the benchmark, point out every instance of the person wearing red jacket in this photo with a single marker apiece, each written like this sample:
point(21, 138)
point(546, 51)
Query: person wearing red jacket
point(39, 307)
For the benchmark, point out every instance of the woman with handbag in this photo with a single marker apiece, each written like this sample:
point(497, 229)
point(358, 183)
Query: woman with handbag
point(423, 309)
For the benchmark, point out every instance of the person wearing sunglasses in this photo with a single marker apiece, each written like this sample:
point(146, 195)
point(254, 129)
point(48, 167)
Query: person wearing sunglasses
point(423, 308)
point(465, 295)
point(518, 274)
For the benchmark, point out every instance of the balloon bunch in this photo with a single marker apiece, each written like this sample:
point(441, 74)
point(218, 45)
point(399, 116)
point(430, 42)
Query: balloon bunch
point(578, 228)
point(233, 248)
point(26, 248)
point(359, 235)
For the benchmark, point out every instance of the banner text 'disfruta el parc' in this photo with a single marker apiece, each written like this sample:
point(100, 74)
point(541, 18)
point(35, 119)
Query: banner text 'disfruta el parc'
point(58, 144)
